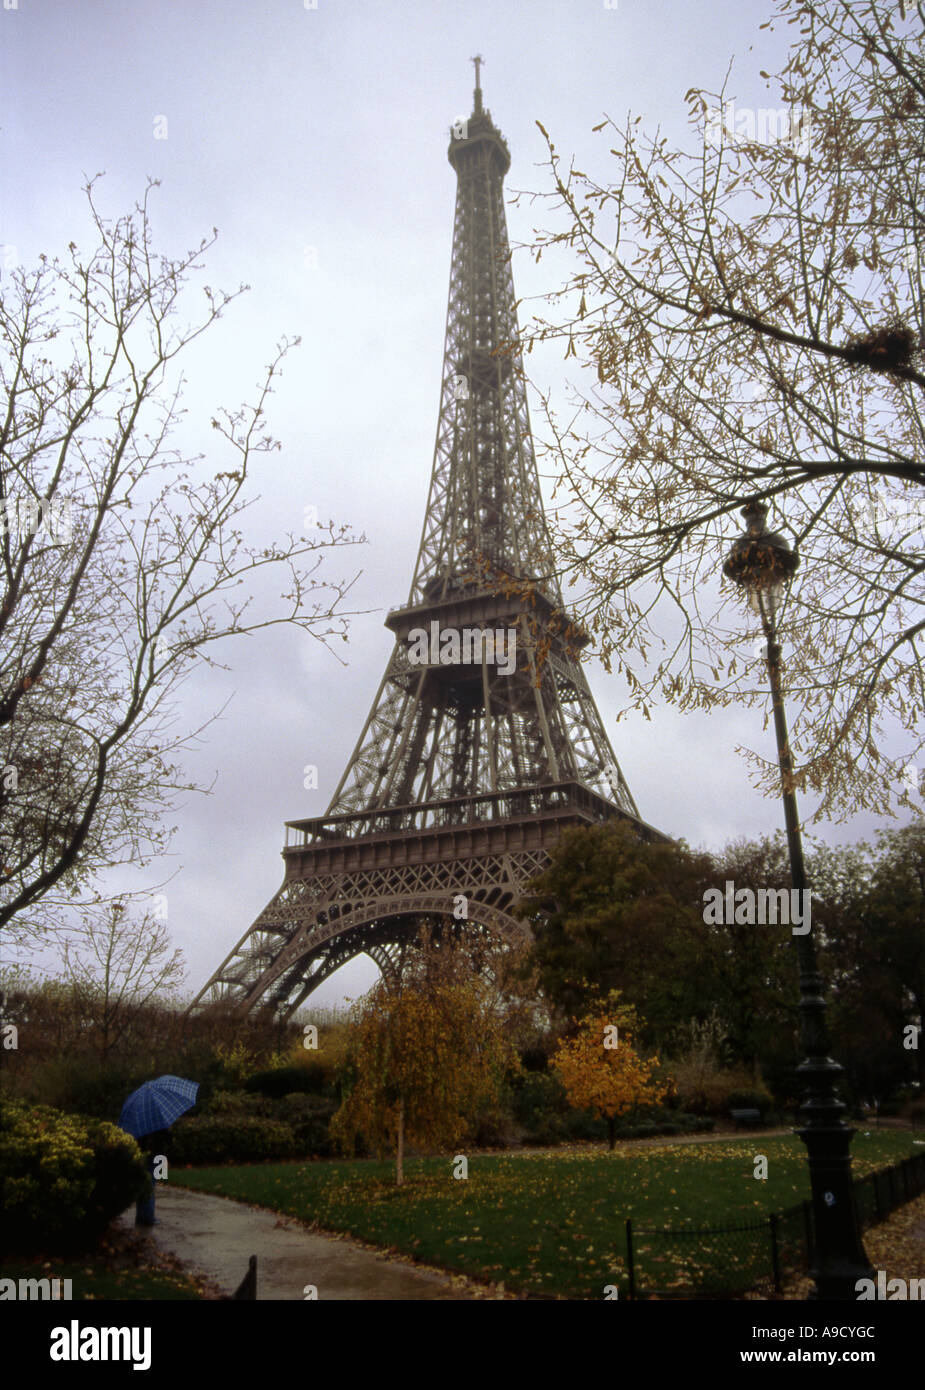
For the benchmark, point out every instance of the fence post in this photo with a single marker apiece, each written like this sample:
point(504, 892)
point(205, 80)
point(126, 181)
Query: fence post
point(808, 1230)
point(775, 1256)
point(630, 1267)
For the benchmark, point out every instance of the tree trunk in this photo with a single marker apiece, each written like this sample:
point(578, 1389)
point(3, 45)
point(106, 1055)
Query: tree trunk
point(400, 1149)
point(612, 1131)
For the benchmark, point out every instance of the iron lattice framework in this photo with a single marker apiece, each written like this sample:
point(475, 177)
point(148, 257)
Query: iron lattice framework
point(469, 766)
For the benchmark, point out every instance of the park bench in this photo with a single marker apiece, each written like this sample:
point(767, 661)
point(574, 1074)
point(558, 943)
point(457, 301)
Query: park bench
point(746, 1117)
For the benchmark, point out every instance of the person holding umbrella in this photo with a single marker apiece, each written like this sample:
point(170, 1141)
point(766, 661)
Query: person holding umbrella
point(152, 1147)
point(149, 1112)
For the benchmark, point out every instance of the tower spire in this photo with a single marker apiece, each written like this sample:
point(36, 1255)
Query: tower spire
point(478, 60)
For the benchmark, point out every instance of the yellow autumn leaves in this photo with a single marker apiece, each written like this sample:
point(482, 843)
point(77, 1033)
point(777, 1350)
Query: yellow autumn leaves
point(601, 1070)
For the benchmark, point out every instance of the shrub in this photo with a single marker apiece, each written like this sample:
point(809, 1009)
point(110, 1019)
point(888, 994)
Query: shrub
point(750, 1098)
point(236, 1103)
point(232, 1063)
point(75, 1085)
point(297, 1108)
point(534, 1059)
point(718, 1091)
point(494, 1129)
point(585, 1125)
point(295, 1126)
point(546, 1131)
point(541, 1111)
point(536, 1097)
point(231, 1139)
point(663, 1123)
point(313, 1138)
point(314, 1077)
point(64, 1177)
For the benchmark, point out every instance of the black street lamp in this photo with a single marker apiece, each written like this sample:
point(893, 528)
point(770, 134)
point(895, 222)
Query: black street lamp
point(761, 562)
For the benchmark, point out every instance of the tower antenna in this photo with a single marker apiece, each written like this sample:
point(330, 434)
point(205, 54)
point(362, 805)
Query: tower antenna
point(478, 60)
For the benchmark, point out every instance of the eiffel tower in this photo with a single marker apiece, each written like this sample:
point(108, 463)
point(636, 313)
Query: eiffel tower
point(469, 766)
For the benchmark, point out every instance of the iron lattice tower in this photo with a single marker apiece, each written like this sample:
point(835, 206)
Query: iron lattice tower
point(469, 767)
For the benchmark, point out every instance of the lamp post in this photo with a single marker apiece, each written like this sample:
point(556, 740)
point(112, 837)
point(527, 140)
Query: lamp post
point(761, 562)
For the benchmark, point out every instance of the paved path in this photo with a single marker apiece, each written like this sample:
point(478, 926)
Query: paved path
point(215, 1237)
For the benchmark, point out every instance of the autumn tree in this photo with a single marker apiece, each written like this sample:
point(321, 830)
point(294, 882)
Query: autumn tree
point(122, 556)
point(750, 311)
point(429, 1052)
point(600, 1068)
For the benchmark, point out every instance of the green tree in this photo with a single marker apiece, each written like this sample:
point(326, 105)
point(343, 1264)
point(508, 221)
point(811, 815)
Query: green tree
point(898, 918)
point(872, 911)
point(748, 969)
point(614, 911)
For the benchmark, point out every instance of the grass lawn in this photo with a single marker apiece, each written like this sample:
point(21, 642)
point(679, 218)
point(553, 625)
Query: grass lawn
point(553, 1223)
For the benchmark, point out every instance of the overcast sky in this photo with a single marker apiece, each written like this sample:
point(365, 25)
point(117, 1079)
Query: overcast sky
point(315, 139)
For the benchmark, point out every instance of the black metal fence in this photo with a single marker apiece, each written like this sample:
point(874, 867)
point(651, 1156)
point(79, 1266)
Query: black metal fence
point(880, 1193)
point(715, 1261)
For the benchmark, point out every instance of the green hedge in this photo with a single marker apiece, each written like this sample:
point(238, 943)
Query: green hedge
point(236, 1103)
point(681, 1123)
point(313, 1076)
point(63, 1177)
point(578, 1125)
point(313, 1138)
point(750, 1098)
point(80, 1086)
point(231, 1139)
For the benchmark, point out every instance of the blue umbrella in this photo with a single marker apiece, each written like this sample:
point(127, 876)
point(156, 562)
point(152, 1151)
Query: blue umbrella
point(156, 1104)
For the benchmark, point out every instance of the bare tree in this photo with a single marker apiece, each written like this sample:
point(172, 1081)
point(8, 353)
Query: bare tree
point(114, 967)
point(752, 310)
point(123, 559)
